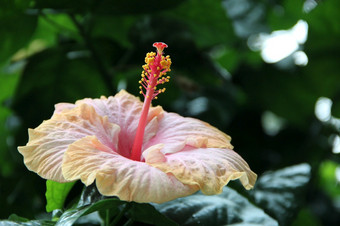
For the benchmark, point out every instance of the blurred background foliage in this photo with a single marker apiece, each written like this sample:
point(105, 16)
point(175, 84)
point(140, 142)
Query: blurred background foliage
point(264, 72)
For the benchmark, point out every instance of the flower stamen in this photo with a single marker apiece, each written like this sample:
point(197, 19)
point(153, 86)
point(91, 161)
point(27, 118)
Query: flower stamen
point(154, 73)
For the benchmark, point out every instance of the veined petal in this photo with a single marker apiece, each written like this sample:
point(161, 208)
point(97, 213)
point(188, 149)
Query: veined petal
point(62, 106)
point(88, 159)
point(47, 143)
point(175, 132)
point(208, 168)
point(124, 110)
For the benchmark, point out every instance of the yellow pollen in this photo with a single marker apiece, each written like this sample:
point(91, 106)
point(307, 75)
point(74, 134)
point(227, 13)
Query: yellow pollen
point(149, 60)
point(163, 63)
point(154, 73)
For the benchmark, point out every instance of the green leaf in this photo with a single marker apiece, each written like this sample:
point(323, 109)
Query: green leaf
point(90, 195)
point(207, 22)
point(56, 194)
point(134, 6)
point(105, 26)
point(283, 92)
point(285, 15)
point(280, 193)
point(15, 220)
point(328, 180)
point(247, 16)
point(108, 6)
point(139, 212)
point(71, 6)
point(28, 223)
point(62, 74)
point(12, 20)
point(51, 27)
point(142, 212)
point(305, 217)
point(226, 208)
point(9, 77)
point(336, 107)
point(72, 215)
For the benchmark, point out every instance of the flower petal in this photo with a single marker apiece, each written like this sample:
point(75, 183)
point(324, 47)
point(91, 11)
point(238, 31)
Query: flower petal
point(62, 106)
point(124, 110)
point(175, 132)
point(47, 143)
point(208, 168)
point(88, 159)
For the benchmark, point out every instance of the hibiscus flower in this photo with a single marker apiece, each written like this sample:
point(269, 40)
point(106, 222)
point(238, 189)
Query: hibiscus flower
point(132, 150)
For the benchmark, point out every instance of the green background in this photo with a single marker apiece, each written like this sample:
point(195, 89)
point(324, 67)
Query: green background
point(61, 51)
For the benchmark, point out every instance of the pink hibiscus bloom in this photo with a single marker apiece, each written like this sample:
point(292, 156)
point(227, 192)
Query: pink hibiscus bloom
point(132, 150)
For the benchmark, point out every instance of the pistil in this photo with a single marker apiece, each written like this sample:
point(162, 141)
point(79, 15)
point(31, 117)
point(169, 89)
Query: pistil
point(154, 73)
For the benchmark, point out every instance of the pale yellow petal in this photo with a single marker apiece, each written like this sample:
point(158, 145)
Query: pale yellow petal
point(47, 143)
point(208, 168)
point(90, 160)
point(175, 132)
point(58, 108)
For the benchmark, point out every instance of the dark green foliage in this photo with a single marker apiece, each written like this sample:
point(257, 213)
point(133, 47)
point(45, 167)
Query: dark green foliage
point(61, 51)
point(227, 208)
point(281, 193)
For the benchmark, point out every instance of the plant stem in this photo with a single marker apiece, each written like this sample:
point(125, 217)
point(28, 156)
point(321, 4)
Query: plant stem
point(94, 54)
point(107, 217)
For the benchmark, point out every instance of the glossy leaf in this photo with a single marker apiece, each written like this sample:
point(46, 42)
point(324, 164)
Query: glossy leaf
point(228, 208)
point(139, 212)
point(281, 192)
point(72, 215)
point(56, 194)
point(146, 213)
point(90, 195)
point(15, 220)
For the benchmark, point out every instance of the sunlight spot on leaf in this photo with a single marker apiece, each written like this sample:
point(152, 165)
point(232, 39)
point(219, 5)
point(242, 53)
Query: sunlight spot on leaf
point(309, 5)
point(280, 44)
point(271, 123)
point(336, 147)
point(198, 105)
point(300, 58)
point(323, 109)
